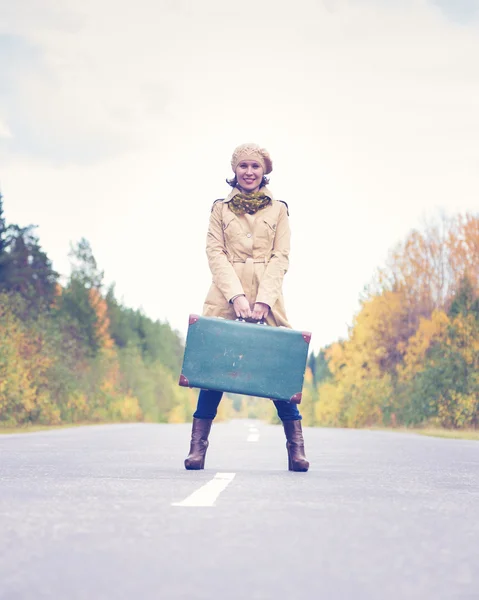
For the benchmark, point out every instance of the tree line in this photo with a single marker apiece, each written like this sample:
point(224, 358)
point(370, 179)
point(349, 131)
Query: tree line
point(412, 353)
point(72, 352)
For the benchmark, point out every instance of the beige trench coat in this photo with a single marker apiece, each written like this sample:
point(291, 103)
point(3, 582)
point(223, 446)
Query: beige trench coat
point(248, 254)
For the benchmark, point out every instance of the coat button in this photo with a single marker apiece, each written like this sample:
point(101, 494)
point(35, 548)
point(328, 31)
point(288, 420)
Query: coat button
point(248, 235)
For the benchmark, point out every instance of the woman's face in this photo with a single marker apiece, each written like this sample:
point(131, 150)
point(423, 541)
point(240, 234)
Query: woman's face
point(249, 174)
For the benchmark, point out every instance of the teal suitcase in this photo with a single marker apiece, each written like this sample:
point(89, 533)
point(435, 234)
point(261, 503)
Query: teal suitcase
point(245, 358)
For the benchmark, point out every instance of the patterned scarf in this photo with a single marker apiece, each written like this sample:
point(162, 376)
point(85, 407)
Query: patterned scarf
point(248, 203)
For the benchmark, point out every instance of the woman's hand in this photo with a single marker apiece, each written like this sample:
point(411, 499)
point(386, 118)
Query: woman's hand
point(260, 311)
point(241, 307)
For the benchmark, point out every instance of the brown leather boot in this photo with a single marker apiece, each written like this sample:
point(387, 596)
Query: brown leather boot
point(295, 445)
point(199, 444)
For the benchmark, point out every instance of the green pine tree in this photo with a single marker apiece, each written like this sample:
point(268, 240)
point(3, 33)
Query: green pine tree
point(3, 244)
point(75, 307)
point(465, 301)
point(25, 269)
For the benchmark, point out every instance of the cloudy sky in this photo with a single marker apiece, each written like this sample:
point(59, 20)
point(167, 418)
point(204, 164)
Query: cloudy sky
point(118, 120)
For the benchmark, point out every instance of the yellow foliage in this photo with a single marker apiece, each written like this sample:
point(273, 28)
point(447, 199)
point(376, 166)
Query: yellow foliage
point(308, 376)
point(177, 415)
point(58, 294)
point(463, 246)
point(102, 327)
point(335, 355)
point(308, 400)
point(429, 331)
point(254, 407)
point(77, 407)
point(183, 411)
point(24, 365)
point(225, 409)
point(328, 408)
point(466, 339)
point(366, 403)
point(376, 341)
point(125, 409)
point(457, 410)
point(388, 345)
point(111, 371)
point(48, 412)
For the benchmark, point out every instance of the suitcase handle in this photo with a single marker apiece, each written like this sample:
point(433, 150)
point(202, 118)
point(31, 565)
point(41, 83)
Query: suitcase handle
point(241, 320)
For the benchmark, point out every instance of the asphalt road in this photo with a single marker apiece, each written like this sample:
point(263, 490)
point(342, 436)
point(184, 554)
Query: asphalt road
point(108, 512)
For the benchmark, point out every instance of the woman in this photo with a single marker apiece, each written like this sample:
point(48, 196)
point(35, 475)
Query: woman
point(247, 248)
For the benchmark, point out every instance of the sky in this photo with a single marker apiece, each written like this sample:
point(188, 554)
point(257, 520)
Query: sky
point(118, 120)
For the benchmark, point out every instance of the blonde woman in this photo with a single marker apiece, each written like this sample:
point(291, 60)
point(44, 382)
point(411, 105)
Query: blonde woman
point(248, 248)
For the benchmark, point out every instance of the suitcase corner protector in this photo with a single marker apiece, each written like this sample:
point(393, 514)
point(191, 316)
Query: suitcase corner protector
point(184, 381)
point(296, 399)
point(306, 336)
point(192, 319)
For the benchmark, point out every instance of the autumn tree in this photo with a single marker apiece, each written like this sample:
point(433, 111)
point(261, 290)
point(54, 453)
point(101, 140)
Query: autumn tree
point(155, 340)
point(412, 354)
point(70, 354)
point(80, 305)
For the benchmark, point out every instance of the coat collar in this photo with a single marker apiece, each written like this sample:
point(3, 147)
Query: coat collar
point(235, 191)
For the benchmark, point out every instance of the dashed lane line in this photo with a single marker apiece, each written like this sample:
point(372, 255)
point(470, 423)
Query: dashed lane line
point(207, 494)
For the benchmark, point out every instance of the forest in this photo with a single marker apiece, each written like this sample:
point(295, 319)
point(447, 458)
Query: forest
point(412, 354)
point(72, 353)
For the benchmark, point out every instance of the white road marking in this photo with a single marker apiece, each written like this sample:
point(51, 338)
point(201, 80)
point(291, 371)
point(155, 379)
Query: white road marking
point(208, 493)
point(253, 434)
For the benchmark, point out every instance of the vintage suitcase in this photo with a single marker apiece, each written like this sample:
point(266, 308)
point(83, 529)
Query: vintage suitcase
point(245, 358)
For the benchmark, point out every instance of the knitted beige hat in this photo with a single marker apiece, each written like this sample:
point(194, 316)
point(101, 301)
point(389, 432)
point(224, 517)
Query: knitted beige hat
point(252, 152)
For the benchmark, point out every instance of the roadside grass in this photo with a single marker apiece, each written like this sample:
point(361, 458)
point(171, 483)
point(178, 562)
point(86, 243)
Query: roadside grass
point(456, 434)
point(34, 428)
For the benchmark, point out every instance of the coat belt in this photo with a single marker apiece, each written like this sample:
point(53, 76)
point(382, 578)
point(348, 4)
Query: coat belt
point(249, 259)
point(248, 271)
